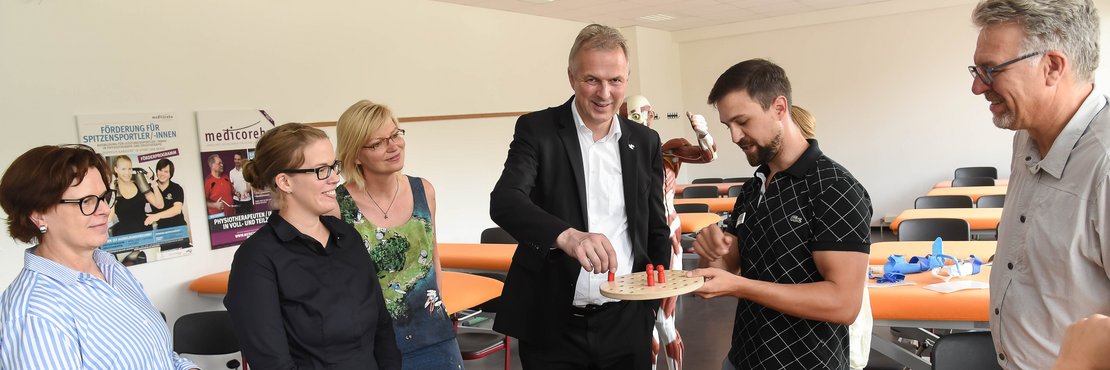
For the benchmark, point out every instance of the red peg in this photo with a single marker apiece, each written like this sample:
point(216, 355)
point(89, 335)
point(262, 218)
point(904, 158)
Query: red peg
point(650, 267)
point(650, 277)
point(662, 274)
point(612, 276)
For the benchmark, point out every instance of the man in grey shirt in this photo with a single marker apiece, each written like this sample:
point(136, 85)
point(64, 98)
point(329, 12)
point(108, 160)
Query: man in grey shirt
point(1035, 62)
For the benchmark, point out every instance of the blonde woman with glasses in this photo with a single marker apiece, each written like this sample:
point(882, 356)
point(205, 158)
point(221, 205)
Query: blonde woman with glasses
point(395, 213)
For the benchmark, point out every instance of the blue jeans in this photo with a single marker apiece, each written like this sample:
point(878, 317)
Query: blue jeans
point(440, 356)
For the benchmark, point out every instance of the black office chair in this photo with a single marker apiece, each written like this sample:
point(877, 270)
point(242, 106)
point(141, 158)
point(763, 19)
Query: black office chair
point(736, 179)
point(734, 191)
point(972, 181)
point(206, 333)
point(708, 191)
point(943, 201)
point(928, 229)
point(691, 208)
point(967, 350)
point(991, 201)
point(497, 235)
point(476, 343)
point(494, 235)
point(990, 172)
point(708, 180)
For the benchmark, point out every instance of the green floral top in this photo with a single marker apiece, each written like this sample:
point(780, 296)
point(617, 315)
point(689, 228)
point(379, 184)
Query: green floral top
point(406, 271)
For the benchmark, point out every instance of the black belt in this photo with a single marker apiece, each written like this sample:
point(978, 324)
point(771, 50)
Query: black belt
point(591, 308)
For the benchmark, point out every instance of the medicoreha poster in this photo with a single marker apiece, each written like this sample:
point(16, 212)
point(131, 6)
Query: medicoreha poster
point(234, 209)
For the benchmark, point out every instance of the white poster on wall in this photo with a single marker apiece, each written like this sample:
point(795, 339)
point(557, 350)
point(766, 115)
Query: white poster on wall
point(147, 222)
point(227, 139)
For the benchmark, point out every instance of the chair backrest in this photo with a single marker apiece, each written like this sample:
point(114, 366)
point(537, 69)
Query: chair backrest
point(967, 350)
point(205, 333)
point(478, 343)
point(707, 180)
point(709, 191)
point(497, 235)
point(691, 208)
point(976, 172)
point(736, 179)
point(943, 201)
point(991, 201)
point(734, 191)
point(928, 229)
point(972, 181)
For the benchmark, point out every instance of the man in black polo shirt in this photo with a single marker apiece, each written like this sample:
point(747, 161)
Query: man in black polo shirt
point(794, 249)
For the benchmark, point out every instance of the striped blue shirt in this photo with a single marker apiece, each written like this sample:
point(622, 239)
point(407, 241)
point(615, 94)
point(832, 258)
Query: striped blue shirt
point(53, 317)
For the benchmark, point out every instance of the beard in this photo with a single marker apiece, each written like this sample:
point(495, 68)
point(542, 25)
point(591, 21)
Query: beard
point(1006, 119)
point(765, 153)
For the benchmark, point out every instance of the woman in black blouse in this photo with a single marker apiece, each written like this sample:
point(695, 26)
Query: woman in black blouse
point(303, 291)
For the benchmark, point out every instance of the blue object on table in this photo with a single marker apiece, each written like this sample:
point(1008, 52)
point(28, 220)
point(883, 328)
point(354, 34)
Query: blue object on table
point(891, 277)
point(976, 264)
point(898, 264)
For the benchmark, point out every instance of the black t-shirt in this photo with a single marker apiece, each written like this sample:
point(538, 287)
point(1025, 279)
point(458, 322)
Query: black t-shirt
point(172, 194)
point(815, 205)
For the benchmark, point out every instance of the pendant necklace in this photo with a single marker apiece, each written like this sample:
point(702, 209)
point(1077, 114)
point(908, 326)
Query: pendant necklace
point(385, 212)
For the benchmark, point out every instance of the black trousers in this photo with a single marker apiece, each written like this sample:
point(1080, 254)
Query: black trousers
point(616, 336)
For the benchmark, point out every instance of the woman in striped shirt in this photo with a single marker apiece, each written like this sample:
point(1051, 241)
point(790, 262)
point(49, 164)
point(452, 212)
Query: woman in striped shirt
point(73, 306)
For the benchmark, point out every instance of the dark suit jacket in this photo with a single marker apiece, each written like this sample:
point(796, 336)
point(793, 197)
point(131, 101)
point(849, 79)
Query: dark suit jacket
point(542, 192)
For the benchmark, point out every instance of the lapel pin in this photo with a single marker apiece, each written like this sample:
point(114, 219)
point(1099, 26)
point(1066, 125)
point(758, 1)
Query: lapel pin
point(631, 146)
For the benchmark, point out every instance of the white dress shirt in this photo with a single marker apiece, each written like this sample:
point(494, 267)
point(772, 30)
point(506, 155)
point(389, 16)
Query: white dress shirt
point(605, 212)
point(240, 185)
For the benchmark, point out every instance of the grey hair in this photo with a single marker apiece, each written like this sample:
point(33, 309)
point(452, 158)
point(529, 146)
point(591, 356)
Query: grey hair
point(1070, 26)
point(597, 37)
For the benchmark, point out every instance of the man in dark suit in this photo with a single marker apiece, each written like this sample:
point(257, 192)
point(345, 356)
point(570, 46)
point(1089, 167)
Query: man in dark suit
point(582, 192)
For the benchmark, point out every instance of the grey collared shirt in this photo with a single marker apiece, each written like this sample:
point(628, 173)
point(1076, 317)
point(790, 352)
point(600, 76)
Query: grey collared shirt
point(1051, 266)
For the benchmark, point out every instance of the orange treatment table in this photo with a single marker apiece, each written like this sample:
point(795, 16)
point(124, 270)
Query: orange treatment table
point(496, 257)
point(460, 291)
point(972, 191)
point(694, 222)
point(912, 306)
point(715, 204)
point(978, 218)
point(948, 183)
point(957, 249)
point(722, 187)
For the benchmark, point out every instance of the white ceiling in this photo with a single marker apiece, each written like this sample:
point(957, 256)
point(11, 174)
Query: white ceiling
point(687, 14)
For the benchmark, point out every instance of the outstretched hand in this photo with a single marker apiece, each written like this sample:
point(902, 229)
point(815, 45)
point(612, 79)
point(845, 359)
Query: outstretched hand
point(718, 282)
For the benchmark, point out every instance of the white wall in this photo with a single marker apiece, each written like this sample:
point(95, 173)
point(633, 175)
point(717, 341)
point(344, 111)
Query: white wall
point(304, 61)
point(655, 62)
point(891, 94)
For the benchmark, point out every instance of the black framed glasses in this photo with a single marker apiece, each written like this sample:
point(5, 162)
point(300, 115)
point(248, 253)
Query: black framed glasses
point(398, 135)
point(90, 203)
point(322, 172)
point(984, 74)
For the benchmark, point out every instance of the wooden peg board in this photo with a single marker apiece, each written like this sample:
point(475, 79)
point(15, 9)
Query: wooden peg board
point(633, 287)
